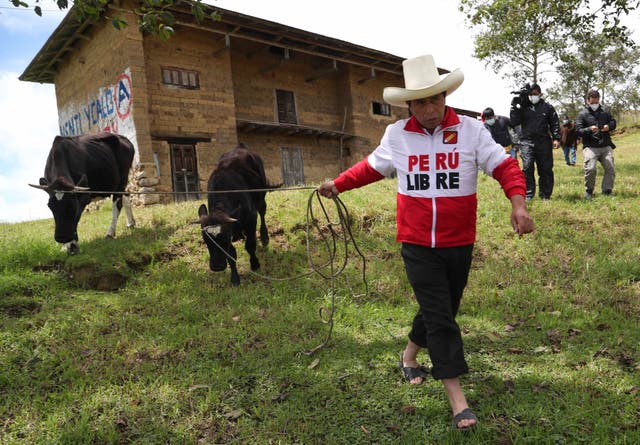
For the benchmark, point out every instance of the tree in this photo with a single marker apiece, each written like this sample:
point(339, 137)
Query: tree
point(515, 37)
point(525, 38)
point(594, 61)
point(155, 16)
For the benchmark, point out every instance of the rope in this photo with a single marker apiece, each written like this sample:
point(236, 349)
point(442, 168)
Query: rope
point(331, 245)
point(212, 192)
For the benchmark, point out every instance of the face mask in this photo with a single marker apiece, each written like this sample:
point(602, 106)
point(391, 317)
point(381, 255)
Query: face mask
point(594, 107)
point(490, 121)
point(534, 99)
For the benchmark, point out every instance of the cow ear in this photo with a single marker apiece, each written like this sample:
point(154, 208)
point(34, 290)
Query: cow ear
point(83, 182)
point(202, 211)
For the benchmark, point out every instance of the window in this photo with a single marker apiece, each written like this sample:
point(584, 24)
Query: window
point(181, 78)
point(381, 108)
point(286, 105)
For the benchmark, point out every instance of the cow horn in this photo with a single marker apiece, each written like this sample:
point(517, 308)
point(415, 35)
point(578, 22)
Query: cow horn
point(41, 187)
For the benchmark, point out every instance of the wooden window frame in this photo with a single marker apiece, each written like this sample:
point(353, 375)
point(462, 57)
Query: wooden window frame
point(180, 78)
point(380, 108)
point(285, 114)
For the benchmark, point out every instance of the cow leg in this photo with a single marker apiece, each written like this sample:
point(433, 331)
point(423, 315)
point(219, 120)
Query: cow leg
point(127, 209)
point(250, 244)
point(115, 213)
point(264, 233)
point(235, 278)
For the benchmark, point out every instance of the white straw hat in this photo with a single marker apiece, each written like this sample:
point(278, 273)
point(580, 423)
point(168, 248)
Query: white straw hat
point(421, 80)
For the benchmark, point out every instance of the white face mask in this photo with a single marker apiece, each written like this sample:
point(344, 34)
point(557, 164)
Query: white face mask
point(490, 121)
point(534, 99)
point(594, 107)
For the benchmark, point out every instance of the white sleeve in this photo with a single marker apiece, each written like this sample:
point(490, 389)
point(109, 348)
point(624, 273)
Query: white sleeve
point(381, 158)
point(489, 153)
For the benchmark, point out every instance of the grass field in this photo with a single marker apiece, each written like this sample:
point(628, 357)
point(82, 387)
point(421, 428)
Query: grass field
point(134, 341)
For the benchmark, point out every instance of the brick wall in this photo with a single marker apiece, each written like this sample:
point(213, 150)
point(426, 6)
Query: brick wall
point(206, 112)
point(87, 87)
point(234, 83)
point(324, 98)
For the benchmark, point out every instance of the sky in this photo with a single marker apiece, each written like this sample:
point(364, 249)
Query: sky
point(28, 111)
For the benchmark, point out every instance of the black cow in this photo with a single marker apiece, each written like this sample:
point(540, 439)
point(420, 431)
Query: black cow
point(99, 162)
point(233, 216)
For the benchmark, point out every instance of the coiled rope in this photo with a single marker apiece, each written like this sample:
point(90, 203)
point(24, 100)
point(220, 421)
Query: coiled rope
point(330, 242)
point(338, 232)
point(332, 234)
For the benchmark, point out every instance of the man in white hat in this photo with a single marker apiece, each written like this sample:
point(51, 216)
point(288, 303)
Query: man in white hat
point(436, 155)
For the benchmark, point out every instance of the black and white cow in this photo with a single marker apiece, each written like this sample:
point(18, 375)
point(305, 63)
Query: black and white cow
point(99, 162)
point(233, 216)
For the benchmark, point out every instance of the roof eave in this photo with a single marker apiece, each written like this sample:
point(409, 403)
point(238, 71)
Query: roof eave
point(43, 67)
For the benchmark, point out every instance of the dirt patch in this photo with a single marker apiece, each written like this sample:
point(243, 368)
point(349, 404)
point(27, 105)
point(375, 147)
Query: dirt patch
point(19, 307)
point(53, 266)
point(138, 262)
point(91, 277)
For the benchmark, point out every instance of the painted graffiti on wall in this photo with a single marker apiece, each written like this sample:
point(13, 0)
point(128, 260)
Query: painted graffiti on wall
point(109, 109)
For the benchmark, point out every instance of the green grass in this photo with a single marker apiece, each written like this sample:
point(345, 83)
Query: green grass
point(169, 352)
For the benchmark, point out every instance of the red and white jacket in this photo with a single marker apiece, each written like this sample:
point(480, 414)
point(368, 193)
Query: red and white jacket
point(437, 177)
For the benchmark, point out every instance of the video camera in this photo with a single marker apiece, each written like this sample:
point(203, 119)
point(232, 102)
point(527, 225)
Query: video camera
point(524, 91)
point(522, 96)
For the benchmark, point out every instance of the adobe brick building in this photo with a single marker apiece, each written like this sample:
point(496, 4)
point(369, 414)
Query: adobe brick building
point(310, 105)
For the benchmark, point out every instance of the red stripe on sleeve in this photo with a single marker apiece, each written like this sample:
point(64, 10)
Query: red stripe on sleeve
point(510, 177)
point(357, 176)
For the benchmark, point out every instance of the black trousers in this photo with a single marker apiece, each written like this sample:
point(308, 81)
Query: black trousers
point(540, 154)
point(438, 278)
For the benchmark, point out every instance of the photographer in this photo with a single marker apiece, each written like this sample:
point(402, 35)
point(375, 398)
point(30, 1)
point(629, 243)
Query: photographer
point(538, 123)
point(594, 124)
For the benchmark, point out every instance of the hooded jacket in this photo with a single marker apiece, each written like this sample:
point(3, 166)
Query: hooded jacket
point(601, 117)
point(437, 177)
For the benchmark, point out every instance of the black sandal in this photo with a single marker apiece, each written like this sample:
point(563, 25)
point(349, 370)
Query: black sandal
point(411, 373)
point(465, 414)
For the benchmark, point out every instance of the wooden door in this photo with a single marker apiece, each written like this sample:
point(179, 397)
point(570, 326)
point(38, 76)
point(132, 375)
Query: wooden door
point(184, 169)
point(292, 166)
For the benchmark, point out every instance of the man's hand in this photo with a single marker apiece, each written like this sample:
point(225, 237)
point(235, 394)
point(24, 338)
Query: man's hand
point(328, 189)
point(556, 144)
point(521, 221)
point(594, 129)
point(605, 128)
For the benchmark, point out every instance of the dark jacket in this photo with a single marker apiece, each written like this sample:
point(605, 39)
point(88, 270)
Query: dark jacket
point(600, 118)
point(568, 135)
point(538, 122)
point(500, 131)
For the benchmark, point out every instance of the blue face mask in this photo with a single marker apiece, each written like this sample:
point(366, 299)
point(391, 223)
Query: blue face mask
point(490, 121)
